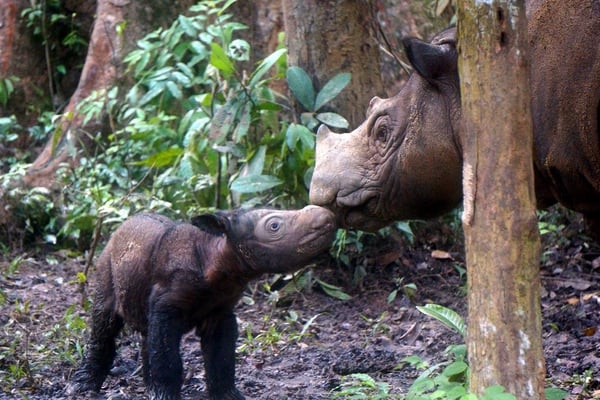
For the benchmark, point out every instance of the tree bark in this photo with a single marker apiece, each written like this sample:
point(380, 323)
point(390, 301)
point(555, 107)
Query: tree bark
point(20, 58)
point(499, 220)
point(328, 37)
point(102, 69)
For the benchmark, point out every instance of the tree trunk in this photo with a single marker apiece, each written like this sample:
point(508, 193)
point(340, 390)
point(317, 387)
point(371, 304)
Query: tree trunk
point(264, 19)
point(20, 58)
point(103, 67)
point(501, 234)
point(328, 37)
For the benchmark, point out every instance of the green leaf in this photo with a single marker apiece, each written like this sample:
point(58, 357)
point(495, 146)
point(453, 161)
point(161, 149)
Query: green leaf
point(334, 120)
point(256, 164)
point(163, 158)
point(301, 86)
point(156, 90)
point(187, 26)
point(174, 90)
point(254, 183)
point(332, 89)
point(219, 60)
point(446, 316)
point(456, 368)
point(265, 65)
point(297, 132)
point(555, 394)
point(497, 392)
point(244, 121)
point(333, 291)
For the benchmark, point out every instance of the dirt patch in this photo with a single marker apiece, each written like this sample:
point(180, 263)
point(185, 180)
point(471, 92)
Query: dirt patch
point(301, 346)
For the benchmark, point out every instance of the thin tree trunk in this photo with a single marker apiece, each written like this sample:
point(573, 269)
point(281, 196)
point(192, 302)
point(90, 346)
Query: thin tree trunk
point(328, 37)
point(501, 234)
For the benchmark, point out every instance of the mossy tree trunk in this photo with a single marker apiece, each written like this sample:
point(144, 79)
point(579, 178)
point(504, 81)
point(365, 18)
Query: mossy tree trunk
point(499, 220)
point(328, 37)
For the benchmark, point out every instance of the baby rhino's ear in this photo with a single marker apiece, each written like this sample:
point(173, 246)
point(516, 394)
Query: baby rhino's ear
point(215, 224)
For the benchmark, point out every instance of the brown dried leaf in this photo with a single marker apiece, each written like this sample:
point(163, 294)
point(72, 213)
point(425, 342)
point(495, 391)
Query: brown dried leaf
point(441, 255)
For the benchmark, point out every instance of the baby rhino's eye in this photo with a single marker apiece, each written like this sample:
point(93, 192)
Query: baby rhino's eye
point(274, 226)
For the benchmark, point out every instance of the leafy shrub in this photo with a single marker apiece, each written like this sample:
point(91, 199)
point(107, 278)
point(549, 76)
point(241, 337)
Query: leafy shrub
point(194, 132)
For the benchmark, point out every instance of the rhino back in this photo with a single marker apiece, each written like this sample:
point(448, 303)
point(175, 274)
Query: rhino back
point(125, 266)
point(565, 84)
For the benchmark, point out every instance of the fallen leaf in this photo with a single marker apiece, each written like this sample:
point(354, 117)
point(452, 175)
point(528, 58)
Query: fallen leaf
point(573, 300)
point(590, 331)
point(578, 284)
point(388, 258)
point(441, 255)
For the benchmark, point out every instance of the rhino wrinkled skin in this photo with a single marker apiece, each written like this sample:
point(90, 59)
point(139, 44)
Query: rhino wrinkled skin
point(405, 160)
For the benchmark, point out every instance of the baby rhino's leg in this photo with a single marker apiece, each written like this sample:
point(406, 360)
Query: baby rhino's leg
point(218, 350)
point(101, 351)
point(161, 357)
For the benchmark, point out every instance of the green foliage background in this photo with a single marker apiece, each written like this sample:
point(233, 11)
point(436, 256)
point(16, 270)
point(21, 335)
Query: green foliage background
point(198, 129)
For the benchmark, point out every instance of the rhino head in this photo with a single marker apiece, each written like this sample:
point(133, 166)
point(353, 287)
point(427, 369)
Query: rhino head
point(404, 160)
point(273, 241)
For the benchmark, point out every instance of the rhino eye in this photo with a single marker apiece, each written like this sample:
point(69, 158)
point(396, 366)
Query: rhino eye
point(381, 131)
point(273, 225)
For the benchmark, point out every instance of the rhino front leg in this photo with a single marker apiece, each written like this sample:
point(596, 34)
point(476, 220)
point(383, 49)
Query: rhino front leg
point(101, 351)
point(164, 370)
point(218, 350)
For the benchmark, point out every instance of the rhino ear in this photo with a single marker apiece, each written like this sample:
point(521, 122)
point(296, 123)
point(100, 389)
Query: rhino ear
point(431, 61)
point(215, 224)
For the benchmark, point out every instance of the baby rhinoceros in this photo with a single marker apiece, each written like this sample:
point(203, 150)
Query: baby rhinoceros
point(164, 278)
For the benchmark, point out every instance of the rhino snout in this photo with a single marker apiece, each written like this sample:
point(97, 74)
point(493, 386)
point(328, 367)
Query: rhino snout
point(324, 184)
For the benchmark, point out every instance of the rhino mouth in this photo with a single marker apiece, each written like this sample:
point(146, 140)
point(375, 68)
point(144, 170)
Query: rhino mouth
point(361, 214)
point(318, 241)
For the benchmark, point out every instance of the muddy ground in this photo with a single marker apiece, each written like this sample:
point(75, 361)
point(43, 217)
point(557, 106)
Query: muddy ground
point(303, 345)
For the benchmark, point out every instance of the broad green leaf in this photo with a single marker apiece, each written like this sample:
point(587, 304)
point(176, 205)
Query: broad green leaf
point(163, 158)
point(264, 66)
point(332, 119)
point(156, 90)
point(297, 132)
point(497, 392)
point(219, 60)
point(455, 368)
point(199, 48)
point(244, 122)
point(555, 394)
point(256, 164)
point(301, 86)
point(332, 89)
point(187, 26)
point(174, 90)
point(254, 183)
point(446, 316)
point(333, 291)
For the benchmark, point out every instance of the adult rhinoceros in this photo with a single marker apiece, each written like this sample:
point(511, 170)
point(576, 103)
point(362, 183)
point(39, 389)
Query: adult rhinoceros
point(405, 160)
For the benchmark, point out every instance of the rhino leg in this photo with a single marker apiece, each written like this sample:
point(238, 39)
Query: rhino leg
point(592, 224)
point(164, 369)
point(96, 364)
point(218, 350)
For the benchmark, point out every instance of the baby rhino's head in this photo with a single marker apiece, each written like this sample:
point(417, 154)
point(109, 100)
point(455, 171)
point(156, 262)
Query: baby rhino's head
point(274, 240)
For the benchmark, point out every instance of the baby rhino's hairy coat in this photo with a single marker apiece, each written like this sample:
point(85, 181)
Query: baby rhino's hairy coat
point(165, 278)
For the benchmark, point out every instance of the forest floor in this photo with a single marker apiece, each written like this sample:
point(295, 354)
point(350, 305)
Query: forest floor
point(304, 345)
